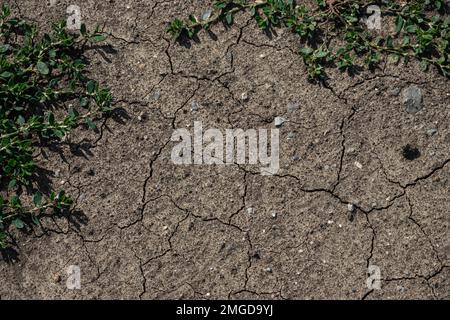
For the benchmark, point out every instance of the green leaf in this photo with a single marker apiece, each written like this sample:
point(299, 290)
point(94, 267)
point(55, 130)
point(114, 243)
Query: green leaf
point(389, 42)
point(220, 4)
point(20, 120)
point(98, 38)
point(42, 68)
point(406, 41)
point(83, 29)
point(90, 87)
point(35, 220)
point(6, 74)
point(321, 54)
point(399, 24)
point(37, 199)
point(84, 102)
point(229, 18)
point(4, 48)
point(18, 223)
point(58, 133)
point(12, 184)
point(306, 51)
point(412, 28)
point(91, 124)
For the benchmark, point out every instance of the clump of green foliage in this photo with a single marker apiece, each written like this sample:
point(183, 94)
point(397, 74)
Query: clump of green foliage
point(39, 74)
point(422, 31)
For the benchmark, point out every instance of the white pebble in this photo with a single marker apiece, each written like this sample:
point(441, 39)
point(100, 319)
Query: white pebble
point(358, 165)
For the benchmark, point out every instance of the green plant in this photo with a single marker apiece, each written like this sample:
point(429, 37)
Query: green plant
point(422, 31)
point(40, 74)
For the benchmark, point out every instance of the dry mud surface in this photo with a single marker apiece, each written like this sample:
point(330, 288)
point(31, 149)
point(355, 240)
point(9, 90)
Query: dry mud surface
point(144, 228)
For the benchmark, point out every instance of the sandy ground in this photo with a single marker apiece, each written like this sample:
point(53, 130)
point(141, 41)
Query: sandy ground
point(146, 228)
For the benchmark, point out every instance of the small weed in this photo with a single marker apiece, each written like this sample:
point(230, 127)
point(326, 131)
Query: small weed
point(422, 31)
point(39, 73)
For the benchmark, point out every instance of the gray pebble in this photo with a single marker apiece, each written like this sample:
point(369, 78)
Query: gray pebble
point(279, 121)
point(291, 135)
point(431, 132)
point(394, 92)
point(268, 270)
point(206, 15)
point(293, 106)
point(412, 99)
point(156, 95)
point(194, 106)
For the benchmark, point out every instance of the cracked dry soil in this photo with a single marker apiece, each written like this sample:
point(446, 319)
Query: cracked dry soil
point(145, 228)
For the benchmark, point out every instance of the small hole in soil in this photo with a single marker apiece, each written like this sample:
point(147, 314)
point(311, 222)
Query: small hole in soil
point(410, 153)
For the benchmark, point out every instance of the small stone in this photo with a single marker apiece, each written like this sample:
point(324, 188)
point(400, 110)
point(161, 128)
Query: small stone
point(279, 121)
point(194, 106)
point(412, 99)
point(293, 106)
point(208, 294)
point(229, 56)
point(431, 132)
point(165, 228)
point(401, 289)
point(296, 158)
point(330, 221)
point(250, 210)
point(141, 116)
point(268, 270)
point(206, 15)
point(351, 207)
point(244, 96)
point(274, 215)
point(291, 135)
point(156, 95)
point(358, 165)
point(340, 225)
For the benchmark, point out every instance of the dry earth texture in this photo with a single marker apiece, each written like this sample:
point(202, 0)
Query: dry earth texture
point(345, 198)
